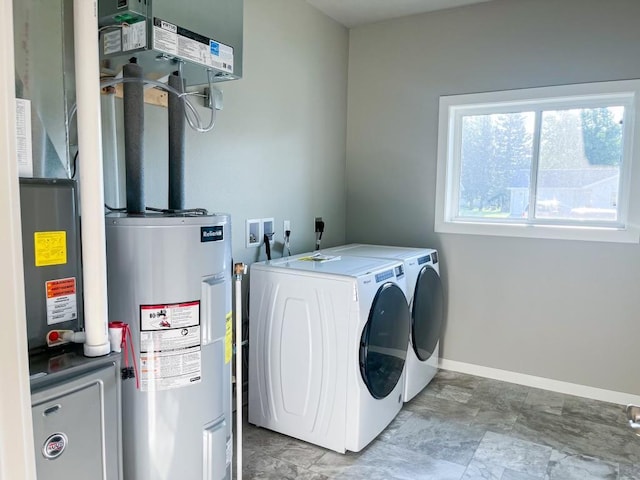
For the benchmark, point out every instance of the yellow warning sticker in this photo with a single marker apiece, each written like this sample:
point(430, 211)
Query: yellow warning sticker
point(50, 248)
point(228, 338)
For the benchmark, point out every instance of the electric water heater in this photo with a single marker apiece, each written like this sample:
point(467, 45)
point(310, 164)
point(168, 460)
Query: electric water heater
point(169, 278)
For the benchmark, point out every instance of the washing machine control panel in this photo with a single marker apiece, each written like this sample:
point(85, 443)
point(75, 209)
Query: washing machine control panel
point(382, 276)
point(396, 272)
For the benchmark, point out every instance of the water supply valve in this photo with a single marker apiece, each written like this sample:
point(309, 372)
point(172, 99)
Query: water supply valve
point(61, 337)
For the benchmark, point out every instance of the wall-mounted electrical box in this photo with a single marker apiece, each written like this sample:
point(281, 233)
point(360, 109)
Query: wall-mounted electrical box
point(202, 34)
point(268, 229)
point(257, 228)
point(254, 233)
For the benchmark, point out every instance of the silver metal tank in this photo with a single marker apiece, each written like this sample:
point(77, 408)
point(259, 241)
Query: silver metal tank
point(169, 278)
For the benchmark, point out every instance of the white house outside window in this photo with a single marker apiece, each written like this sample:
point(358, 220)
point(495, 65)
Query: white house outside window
point(553, 162)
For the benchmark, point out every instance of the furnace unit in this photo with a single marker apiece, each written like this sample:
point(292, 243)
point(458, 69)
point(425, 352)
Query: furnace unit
point(75, 400)
point(51, 256)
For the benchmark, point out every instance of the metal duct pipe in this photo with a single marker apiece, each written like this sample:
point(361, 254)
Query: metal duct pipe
point(94, 256)
point(176, 144)
point(133, 97)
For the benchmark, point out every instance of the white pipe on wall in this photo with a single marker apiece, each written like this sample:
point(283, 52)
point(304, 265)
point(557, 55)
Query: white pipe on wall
point(94, 256)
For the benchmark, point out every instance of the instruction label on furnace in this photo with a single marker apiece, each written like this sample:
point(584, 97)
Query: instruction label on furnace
point(61, 300)
point(23, 137)
point(50, 248)
point(170, 346)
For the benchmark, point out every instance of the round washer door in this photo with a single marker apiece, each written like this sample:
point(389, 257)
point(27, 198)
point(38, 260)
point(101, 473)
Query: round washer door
point(427, 313)
point(384, 341)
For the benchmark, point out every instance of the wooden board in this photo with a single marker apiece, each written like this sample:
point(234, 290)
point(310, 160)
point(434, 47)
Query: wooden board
point(152, 96)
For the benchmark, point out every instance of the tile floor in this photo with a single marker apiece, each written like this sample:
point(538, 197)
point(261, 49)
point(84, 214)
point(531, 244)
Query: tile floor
point(463, 427)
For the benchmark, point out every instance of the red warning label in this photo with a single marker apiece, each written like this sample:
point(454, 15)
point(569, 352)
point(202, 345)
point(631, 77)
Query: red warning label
point(58, 288)
point(61, 300)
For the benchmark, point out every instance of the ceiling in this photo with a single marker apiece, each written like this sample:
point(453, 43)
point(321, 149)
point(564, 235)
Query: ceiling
point(358, 12)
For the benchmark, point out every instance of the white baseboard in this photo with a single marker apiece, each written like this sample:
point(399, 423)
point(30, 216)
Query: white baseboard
point(541, 382)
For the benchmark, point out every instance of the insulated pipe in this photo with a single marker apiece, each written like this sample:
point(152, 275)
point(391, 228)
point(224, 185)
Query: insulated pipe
point(239, 270)
point(176, 144)
point(133, 101)
point(94, 255)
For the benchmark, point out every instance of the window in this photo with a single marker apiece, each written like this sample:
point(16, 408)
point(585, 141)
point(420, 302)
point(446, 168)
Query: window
point(551, 162)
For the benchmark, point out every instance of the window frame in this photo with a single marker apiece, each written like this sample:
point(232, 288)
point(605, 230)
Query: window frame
point(453, 108)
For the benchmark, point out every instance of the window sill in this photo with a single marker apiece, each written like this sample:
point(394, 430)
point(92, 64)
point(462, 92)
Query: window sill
point(552, 232)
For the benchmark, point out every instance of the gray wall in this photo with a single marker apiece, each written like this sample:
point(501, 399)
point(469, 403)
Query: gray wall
point(278, 149)
point(563, 310)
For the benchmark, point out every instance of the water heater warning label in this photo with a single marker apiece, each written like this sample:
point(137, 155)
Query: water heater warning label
point(161, 317)
point(170, 343)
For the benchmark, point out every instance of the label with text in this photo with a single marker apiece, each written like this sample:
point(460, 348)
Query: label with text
point(61, 300)
point(170, 346)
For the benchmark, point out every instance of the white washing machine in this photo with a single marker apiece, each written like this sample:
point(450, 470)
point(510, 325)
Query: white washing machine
point(427, 307)
point(327, 348)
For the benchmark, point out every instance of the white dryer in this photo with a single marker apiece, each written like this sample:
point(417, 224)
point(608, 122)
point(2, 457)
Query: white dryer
point(327, 348)
point(427, 307)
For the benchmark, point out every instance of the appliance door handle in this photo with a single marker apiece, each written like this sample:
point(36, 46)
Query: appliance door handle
point(213, 305)
point(52, 409)
point(216, 452)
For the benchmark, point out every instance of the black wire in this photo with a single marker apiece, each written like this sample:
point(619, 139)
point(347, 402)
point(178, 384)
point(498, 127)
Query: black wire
point(111, 209)
point(75, 160)
point(245, 333)
point(267, 246)
point(198, 211)
point(287, 243)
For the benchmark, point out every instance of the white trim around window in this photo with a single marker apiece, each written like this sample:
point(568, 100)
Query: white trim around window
point(622, 226)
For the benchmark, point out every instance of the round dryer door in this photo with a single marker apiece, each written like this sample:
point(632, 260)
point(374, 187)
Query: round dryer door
point(427, 314)
point(383, 345)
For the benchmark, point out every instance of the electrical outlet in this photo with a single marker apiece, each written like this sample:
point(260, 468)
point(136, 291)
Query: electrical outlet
point(319, 229)
point(286, 227)
point(254, 232)
point(268, 229)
